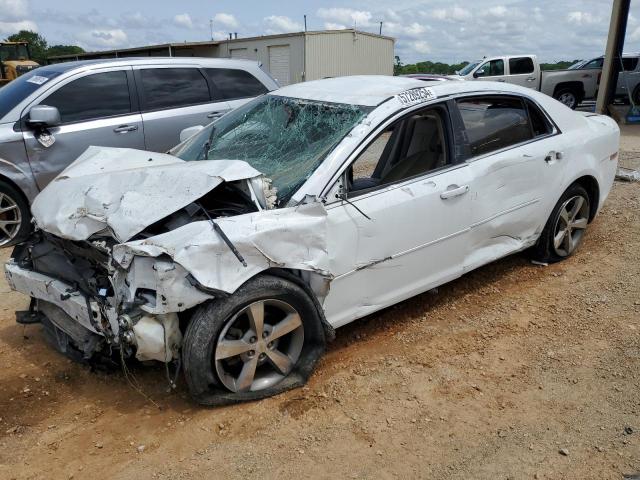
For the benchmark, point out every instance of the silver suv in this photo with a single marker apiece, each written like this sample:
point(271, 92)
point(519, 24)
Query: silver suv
point(50, 115)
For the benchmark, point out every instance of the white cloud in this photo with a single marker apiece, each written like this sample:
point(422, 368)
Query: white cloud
point(226, 20)
point(581, 18)
point(183, 20)
point(334, 26)
point(421, 46)
point(346, 16)
point(13, 10)
point(415, 30)
point(498, 11)
point(95, 39)
point(280, 24)
point(9, 28)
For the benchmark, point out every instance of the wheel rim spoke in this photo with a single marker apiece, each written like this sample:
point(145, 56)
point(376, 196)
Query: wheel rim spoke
point(280, 361)
point(4, 229)
point(247, 374)
point(559, 238)
point(577, 205)
point(231, 348)
point(564, 215)
point(580, 223)
point(568, 243)
point(8, 209)
point(287, 325)
point(255, 312)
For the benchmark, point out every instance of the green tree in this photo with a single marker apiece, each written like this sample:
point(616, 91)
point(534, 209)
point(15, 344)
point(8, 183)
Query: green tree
point(37, 44)
point(56, 50)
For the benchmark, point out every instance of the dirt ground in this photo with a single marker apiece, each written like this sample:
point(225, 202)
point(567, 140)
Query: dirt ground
point(514, 371)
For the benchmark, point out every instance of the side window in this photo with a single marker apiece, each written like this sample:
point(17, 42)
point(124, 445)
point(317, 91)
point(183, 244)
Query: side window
point(520, 66)
point(629, 64)
point(490, 69)
point(230, 84)
point(493, 123)
point(410, 147)
point(540, 125)
point(595, 63)
point(173, 88)
point(95, 96)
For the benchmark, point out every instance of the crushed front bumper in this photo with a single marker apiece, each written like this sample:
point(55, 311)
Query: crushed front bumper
point(94, 316)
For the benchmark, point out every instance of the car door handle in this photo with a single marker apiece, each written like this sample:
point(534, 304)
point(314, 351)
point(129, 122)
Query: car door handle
point(454, 191)
point(553, 155)
point(215, 115)
point(531, 79)
point(501, 80)
point(125, 128)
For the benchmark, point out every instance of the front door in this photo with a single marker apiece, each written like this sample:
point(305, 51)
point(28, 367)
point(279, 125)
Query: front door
point(95, 109)
point(491, 71)
point(403, 229)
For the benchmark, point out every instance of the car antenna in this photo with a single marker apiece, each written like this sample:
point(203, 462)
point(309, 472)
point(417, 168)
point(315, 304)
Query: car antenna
point(224, 237)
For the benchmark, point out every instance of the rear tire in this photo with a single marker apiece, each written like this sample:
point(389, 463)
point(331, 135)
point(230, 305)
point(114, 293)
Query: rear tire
point(15, 215)
point(229, 355)
point(568, 97)
point(565, 229)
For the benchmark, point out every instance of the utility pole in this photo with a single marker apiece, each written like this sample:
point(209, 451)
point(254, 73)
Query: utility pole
point(211, 27)
point(305, 23)
point(380, 28)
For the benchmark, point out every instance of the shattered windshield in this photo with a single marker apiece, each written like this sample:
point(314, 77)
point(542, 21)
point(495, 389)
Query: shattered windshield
point(284, 138)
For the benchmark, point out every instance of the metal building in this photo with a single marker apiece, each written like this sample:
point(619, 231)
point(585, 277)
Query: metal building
point(291, 57)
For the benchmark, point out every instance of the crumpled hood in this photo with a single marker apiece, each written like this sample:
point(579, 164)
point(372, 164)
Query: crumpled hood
point(123, 191)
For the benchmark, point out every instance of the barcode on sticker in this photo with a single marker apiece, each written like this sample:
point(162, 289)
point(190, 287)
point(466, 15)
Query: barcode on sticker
point(416, 95)
point(38, 80)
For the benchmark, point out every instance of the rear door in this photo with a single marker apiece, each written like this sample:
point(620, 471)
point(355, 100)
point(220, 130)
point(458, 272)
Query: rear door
point(522, 71)
point(492, 70)
point(517, 163)
point(96, 108)
point(172, 99)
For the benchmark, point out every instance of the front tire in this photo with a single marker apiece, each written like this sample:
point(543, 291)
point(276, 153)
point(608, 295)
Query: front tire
point(264, 339)
point(15, 216)
point(566, 227)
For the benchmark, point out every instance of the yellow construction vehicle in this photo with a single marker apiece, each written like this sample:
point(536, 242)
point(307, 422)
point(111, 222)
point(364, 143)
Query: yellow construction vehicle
point(15, 60)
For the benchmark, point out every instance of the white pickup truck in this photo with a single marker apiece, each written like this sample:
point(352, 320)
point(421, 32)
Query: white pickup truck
point(568, 86)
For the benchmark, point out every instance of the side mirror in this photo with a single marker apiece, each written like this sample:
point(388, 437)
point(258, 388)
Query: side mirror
point(478, 73)
point(44, 116)
point(189, 132)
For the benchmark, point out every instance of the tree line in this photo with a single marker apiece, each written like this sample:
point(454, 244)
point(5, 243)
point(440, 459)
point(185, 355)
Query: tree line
point(40, 49)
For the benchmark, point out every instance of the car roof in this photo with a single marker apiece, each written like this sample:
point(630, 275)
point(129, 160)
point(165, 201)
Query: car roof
point(367, 90)
point(127, 61)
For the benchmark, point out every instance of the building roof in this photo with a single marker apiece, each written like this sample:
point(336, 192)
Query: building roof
point(209, 43)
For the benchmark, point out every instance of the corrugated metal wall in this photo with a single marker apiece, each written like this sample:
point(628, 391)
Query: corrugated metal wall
point(337, 54)
point(258, 49)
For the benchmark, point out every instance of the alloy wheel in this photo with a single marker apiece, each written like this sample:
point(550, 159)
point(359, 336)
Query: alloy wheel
point(259, 346)
point(570, 225)
point(10, 219)
point(568, 98)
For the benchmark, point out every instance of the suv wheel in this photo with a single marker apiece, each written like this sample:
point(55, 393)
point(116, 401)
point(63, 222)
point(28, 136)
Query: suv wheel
point(567, 97)
point(15, 217)
point(264, 339)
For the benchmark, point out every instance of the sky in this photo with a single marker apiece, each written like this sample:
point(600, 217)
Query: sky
point(437, 30)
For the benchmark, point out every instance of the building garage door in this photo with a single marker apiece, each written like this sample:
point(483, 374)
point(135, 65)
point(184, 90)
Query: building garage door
point(279, 57)
point(241, 53)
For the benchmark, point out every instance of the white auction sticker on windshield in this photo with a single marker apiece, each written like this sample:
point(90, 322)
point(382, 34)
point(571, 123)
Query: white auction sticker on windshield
point(38, 80)
point(416, 95)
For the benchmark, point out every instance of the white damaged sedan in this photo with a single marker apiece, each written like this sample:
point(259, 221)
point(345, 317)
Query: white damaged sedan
point(236, 255)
